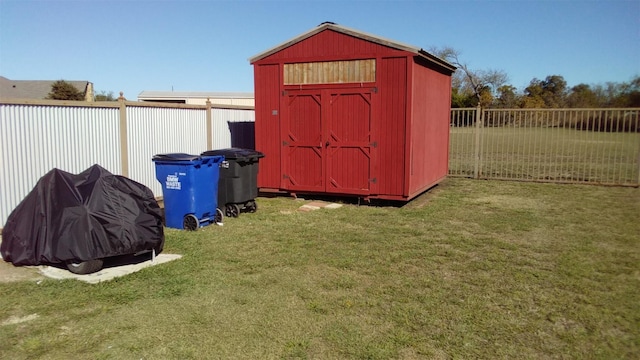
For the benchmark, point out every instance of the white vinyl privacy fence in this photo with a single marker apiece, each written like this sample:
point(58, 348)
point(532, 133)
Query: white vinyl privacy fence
point(122, 137)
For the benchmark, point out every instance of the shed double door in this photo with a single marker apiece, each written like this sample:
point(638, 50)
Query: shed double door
point(327, 139)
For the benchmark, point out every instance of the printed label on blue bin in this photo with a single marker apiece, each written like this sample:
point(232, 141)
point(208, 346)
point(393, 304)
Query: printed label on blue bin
point(173, 182)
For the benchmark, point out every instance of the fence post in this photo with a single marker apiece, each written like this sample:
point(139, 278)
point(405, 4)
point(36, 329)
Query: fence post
point(124, 146)
point(209, 125)
point(477, 151)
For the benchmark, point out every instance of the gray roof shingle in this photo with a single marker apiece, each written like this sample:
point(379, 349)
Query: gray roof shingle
point(32, 89)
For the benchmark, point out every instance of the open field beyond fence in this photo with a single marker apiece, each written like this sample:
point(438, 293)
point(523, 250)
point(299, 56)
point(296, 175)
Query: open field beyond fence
point(547, 154)
point(472, 269)
point(595, 147)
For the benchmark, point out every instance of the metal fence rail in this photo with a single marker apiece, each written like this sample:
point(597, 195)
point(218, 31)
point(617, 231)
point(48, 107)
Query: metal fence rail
point(595, 146)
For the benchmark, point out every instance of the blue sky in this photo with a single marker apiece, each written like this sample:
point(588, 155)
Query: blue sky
point(138, 45)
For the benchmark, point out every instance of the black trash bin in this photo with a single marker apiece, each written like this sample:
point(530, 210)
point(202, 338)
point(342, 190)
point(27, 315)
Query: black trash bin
point(238, 181)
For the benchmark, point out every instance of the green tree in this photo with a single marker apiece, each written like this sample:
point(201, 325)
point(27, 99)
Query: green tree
point(485, 94)
point(462, 99)
point(548, 93)
point(607, 93)
point(581, 96)
point(634, 92)
point(555, 91)
point(533, 95)
point(62, 90)
point(628, 94)
point(507, 97)
point(104, 96)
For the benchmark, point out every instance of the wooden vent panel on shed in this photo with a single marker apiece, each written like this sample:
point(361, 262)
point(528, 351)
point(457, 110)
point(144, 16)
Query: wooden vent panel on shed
point(330, 72)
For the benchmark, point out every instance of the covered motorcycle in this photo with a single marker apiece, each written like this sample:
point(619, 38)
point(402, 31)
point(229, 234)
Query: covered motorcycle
point(81, 219)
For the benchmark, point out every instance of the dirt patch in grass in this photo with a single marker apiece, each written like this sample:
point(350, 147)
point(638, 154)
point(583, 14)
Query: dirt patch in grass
point(19, 319)
point(10, 273)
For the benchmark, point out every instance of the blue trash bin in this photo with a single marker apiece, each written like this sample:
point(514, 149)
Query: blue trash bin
point(190, 195)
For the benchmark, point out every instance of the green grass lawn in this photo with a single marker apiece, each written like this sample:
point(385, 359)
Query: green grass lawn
point(473, 269)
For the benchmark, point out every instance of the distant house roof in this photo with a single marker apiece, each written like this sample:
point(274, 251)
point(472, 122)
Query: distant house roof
point(358, 34)
point(168, 95)
point(35, 89)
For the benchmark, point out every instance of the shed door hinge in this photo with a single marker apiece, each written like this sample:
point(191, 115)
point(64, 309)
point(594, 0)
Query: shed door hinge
point(374, 90)
point(373, 180)
point(374, 144)
point(285, 176)
point(284, 143)
point(284, 92)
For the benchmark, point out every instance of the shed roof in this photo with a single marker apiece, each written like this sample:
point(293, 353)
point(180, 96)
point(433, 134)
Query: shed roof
point(358, 34)
point(33, 89)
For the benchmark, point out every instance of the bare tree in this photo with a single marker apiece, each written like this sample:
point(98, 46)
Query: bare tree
point(482, 84)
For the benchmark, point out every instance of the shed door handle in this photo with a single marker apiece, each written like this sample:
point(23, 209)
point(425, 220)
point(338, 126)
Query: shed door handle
point(327, 143)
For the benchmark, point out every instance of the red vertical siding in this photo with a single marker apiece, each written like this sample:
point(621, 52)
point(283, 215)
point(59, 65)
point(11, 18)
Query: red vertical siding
point(349, 135)
point(392, 89)
point(301, 131)
point(408, 134)
point(429, 128)
point(267, 125)
point(330, 44)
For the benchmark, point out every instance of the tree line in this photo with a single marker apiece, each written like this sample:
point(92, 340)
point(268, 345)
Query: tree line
point(489, 89)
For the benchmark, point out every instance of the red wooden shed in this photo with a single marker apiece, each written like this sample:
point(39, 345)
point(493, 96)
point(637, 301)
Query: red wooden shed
point(339, 111)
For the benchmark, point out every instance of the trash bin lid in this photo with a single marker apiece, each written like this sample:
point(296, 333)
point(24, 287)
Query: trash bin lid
point(176, 157)
point(237, 154)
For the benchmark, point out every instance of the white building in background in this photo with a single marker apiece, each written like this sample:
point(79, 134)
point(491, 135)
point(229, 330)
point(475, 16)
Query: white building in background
point(198, 97)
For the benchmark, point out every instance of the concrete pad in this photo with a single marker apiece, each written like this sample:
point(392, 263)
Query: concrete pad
point(316, 205)
point(333, 206)
point(308, 207)
point(110, 271)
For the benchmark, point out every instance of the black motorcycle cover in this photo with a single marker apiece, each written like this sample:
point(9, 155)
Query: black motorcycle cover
point(83, 217)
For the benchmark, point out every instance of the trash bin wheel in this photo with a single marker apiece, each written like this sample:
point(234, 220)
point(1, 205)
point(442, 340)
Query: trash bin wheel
point(232, 210)
point(85, 267)
point(219, 217)
point(190, 222)
point(252, 206)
